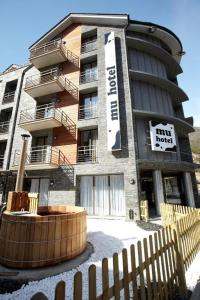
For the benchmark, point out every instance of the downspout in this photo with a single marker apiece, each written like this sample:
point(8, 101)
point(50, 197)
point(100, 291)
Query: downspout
point(15, 116)
point(133, 127)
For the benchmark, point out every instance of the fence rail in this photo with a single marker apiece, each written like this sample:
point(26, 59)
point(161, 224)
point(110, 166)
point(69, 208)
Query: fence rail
point(1, 161)
point(88, 76)
point(89, 46)
point(8, 97)
point(87, 112)
point(87, 154)
point(4, 127)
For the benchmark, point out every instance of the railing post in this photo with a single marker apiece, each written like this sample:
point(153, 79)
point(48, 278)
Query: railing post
point(179, 261)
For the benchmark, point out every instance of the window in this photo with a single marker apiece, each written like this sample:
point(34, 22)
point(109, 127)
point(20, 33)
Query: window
point(88, 44)
point(10, 91)
point(89, 72)
point(87, 108)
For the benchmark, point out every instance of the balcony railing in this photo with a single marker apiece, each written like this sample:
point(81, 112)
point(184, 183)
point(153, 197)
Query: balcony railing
point(87, 154)
point(187, 157)
point(56, 44)
point(8, 97)
point(88, 76)
point(4, 127)
point(89, 46)
point(1, 161)
point(87, 112)
point(46, 112)
point(49, 76)
point(43, 155)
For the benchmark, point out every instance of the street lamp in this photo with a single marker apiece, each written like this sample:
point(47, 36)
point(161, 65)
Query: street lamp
point(20, 172)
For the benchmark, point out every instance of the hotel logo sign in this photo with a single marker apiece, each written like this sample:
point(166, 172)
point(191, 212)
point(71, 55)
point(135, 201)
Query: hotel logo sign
point(113, 119)
point(162, 136)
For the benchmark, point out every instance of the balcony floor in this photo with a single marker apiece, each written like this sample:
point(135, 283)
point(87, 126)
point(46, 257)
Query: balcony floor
point(41, 124)
point(45, 89)
point(50, 58)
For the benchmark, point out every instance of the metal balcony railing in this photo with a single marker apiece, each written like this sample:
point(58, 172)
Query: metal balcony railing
point(88, 76)
point(89, 46)
point(54, 45)
point(49, 76)
point(1, 161)
point(87, 154)
point(87, 112)
point(4, 127)
point(41, 155)
point(187, 157)
point(8, 97)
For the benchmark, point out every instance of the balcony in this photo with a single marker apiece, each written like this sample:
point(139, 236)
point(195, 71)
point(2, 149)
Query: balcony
point(88, 76)
point(1, 161)
point(87, 154)
point(44, 117)
point(49, 82)
point(51, 53)
point(8, 98)
point(88, 46)
point(42, 157)
point(4, 127)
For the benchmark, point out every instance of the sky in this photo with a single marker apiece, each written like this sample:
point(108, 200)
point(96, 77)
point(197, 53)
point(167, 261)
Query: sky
point(22, 22)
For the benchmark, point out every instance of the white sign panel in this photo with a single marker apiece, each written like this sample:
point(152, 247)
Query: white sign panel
point(162, 136)
point(113, 122)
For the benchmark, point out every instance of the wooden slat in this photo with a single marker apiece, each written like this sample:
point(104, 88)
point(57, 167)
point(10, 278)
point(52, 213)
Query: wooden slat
point(163, 265)
point(116, 276)
point(60, 291)
point(140, 261)
point(125, 274)
point(160, 289)
point(105, 279)
point(92, 290)
point(166, 262)
point(146, 256)
point(133, 273)
point(78, 286)
point(154, 279)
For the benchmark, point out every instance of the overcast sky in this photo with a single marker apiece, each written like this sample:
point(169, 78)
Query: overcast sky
point(22, 22)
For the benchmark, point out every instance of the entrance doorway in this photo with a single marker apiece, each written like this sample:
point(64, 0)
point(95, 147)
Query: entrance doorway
point(147, 192)
point(103, 195)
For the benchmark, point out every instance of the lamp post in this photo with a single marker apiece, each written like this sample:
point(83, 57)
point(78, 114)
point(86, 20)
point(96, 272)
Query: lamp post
point(20, 172)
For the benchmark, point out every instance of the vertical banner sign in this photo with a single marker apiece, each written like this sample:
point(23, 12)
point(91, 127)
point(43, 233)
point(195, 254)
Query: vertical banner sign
point(162, 136)
point(113, 122)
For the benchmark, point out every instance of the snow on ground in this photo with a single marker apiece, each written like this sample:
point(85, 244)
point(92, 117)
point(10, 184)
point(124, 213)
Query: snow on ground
point(193, 273)
point(107, 237)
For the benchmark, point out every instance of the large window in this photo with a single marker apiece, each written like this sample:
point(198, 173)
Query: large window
point(103, 195)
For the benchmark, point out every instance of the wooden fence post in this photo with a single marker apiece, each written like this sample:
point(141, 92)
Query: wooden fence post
point(179, 263)
point(60, 291)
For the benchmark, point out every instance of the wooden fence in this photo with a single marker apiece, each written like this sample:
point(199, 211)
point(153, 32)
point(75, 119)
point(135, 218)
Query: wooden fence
point(186, 222)
point(150, 270)
point(171, 213)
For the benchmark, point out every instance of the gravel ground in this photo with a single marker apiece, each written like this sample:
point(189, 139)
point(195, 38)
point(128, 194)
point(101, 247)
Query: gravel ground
point(107, 237)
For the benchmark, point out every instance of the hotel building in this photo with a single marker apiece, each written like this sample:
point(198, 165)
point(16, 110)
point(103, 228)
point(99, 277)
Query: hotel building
point(101, 103)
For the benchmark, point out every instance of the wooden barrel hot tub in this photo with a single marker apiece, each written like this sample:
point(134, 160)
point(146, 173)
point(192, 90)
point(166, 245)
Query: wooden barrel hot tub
point(56, 234)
